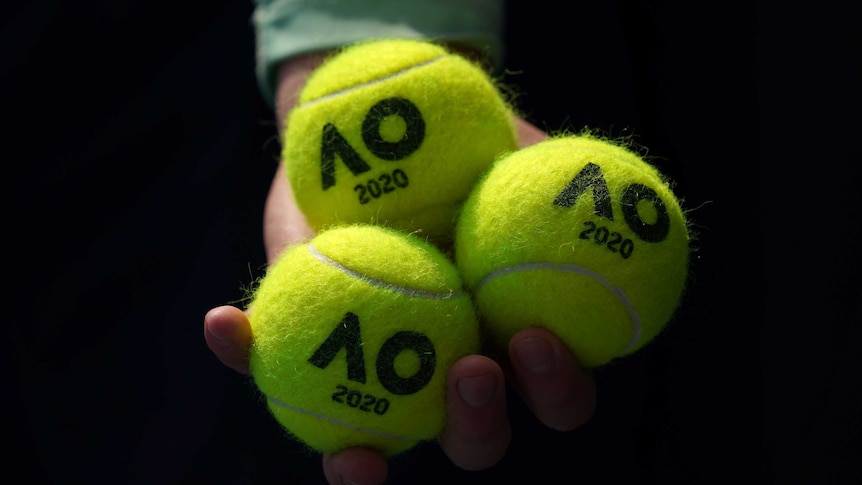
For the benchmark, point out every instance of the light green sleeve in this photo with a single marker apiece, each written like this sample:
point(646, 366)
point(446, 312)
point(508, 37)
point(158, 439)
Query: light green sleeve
point(285, 28)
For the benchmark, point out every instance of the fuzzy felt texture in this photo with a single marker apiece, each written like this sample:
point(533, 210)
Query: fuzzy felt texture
point(581, 236)
point(394, 132)
point(354, 333)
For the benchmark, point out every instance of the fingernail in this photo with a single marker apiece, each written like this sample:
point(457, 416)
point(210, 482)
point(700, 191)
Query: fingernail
point(535, 354)
point(220, 339)
point(477, 391)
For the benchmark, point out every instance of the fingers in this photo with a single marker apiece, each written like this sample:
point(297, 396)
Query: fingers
point(561, 394)
point(356, 466)
point(478, 432)
point(228, 335)
point(528, 134)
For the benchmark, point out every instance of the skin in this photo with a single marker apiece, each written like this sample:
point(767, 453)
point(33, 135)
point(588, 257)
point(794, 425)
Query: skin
point(560, 393)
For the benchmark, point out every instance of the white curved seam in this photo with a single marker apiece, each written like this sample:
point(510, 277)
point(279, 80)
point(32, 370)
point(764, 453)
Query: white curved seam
point(370, 83)
point(412, 292)
point(339, 422)
point(573, 268)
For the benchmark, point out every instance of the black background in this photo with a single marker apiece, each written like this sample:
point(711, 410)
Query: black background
point(140, 152)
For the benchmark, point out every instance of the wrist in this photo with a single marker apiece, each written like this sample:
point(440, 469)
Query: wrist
point(290, 79)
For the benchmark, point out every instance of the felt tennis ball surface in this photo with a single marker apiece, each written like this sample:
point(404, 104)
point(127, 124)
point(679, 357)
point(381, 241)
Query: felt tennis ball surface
point(353, 336)
point(394, 132)
point(577, 235)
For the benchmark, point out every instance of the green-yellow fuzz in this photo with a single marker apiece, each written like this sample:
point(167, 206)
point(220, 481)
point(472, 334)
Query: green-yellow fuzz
point(457, 124)
point(406, 304)
point(604, 269)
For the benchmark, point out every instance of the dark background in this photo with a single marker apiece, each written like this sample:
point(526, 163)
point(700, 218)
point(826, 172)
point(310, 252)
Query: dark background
point(140, 153)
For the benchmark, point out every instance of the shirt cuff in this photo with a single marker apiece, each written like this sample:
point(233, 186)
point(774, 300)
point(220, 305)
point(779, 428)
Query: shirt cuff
point(286, 28)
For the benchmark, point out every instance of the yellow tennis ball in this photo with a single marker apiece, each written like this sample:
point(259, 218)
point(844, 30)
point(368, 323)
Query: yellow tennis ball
point(394, 132)
point(353, 336)
point(577, 235)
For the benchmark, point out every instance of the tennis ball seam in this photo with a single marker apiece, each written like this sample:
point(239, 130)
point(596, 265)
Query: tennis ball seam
point(336, 421)
point(412, 292)
point(355, 331)
point(372, 82)
point(618, 292)
point(346, 130)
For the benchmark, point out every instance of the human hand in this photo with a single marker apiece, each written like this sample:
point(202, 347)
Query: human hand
point(550, 381)
point(558, 391)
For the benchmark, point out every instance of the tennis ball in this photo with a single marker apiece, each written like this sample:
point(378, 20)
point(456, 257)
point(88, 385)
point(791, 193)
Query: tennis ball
point(353, 336)
point(577, 235)
point(394, 132)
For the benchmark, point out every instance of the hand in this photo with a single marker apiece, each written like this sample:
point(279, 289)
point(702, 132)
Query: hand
point(558, 391)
